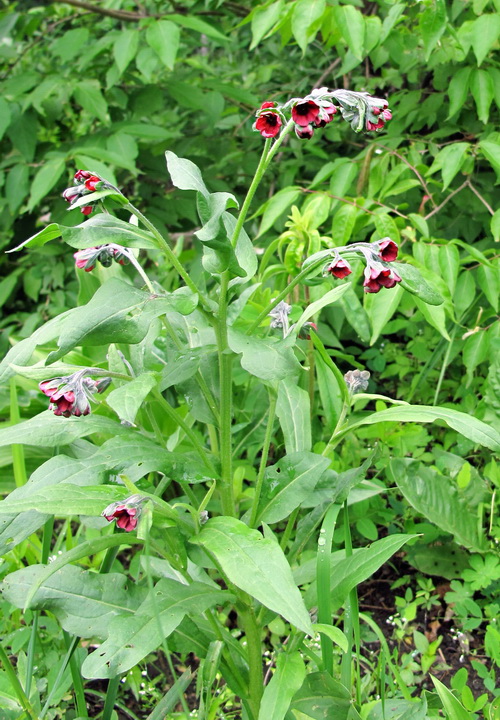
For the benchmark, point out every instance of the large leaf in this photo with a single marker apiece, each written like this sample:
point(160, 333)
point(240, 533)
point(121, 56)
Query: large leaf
point(322, 698)
point(185, 174)
point(434, 497)
point(288, 483)
point(65, 500)
point(107, 317)
point(287, 679)
point(48, 430)
point(453, 707)
point(127, 399)
point(432, 22)
point(83, 601)
point(294, 413)
point(266, 358)
point(413, 281)
point(163, 37)
point(256, 565)
point(306, 17)
point(103, 228)
point(469, 426)
point(131, 638)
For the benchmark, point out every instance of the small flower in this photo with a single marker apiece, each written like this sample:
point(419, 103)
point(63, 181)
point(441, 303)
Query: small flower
point(339, 268)
point(105, 254)
point(357, 380)
point(387, 250)
point(304, 133)
point(326, 114)
point(378, 114)
point(377, 277)
point(280, 317)
point(268, 121)
point(125, 513)
point(92, 182)
point(85, 182)
point(305, 112)
point(82, 175)
point(70, 395)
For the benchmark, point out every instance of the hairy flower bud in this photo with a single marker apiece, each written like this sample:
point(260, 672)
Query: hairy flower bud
point(357, 380)
point(70, 395)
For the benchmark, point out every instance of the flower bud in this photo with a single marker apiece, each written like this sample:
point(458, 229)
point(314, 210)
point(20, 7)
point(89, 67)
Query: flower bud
point(339, 268)
point(357, 380)
point(304, 132)
point(125, 513)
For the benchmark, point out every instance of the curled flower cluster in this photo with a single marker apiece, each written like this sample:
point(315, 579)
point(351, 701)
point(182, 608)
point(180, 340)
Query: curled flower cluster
point(126, 513)
point(85, 183)
point(357, 380)
point(378, 274)
point(279, 315)
point(318, 109)
point(70, 395)
point(105, 254)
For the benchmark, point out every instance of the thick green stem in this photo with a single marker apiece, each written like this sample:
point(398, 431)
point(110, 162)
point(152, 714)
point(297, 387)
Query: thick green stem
point(18, 463)
point(254, 649)
point(261, 169)
point(263, 458)
point(226, 401)
point(323, 572)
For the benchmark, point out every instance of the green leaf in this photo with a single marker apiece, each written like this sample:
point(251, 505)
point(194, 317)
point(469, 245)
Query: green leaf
point(5, 116)
point(263, 19)
point(491, 151)
point(414, 282)
point(334, 633)
point(185, 174)
point(183, 367)
point(495, 226)
point(87, 93)
point(293, 410)
point(44, 236)
point(125, 48)
point(476, 350)
point(467, 425)
point(435, 316)
point(171, 698)
point(48, 430)
point(344, 221)
point(453, 708)
point(288, 483)
point(380, 307)
point(83, 601)
point(483, 92)
point(287, 679)
point(321, 698)
point(432, 23)
point(131, 638)
point(106, 318)
point(45, 179)
point(65, 499)
point(256, 565)
point(451, 159)
point(458, 89)
point(328, 298)
point(192, 22)
point(306, 17)
point(276, 206)
point(127, 399)
point(432, 495)
point(352, 26)
point(163, 37)
point(102, 229)
point(489, 279)
point(266, 358)
point(485, 32)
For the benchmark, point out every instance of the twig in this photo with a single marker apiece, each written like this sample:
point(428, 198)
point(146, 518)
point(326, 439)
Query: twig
point(478, 195)
point(413, 169)
point(446, 200)
point(351, 202)
point(328, 70)
point(118, 14)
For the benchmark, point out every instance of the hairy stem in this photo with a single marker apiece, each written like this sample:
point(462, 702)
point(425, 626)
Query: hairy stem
point(263, 458)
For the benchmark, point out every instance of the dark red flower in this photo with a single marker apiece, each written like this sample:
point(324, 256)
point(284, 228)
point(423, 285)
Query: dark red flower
point(305, 112)
point(388, 250)
point(339, 268)
point(327, 113)
point(378, 277)
point(268, 104)
point(82, 175)
point(268, 123)
point(126, 518)
point(86, 209)
point(91, 183)
point(304, 133)
point(383, 114)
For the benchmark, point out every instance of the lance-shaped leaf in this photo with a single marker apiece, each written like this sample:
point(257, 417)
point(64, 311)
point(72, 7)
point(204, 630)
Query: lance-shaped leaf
point(102, 229)
point(266, 358)
point(127, 399)
point(256, 565)
point(294, 413)
point(66, 500)
point(130, 639)
point(48, 430)
point(287, 679)
point(413, 281)
point(288, 483)
point(108, 317)
point(84, 602)
point(321, 698)
point(185, 174)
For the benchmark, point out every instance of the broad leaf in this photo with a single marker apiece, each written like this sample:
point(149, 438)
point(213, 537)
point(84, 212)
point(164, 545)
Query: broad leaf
point(65, 500)
point(432, 22)
point(453, 707)
point(293, 410)
point(322, 698)
point(185, 174)
point(48, 430)
point(287, 679)
point(266, 358)
point(127, 399)
point(256, 565)
point(413, 281)
point(288, 483)
point(104, 228)
point(163, 37)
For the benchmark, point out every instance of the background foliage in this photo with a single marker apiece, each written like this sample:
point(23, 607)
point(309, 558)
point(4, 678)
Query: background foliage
point(112, 90)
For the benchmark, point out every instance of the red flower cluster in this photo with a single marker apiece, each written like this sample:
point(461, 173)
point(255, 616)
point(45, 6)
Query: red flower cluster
point(376, 255)
point(377, 277)
point(268, 121)
point(70, 395)
point(105, 254)
point(382, 115)
point(308, 115)
point(86, 182)
point(126, 513)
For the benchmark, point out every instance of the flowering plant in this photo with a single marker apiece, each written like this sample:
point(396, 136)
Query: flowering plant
point(184, 465)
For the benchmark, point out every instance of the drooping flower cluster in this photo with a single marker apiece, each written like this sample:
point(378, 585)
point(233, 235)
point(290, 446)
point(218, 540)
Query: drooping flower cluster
point(317, 109)
point(70, 395)
point(377, 273)
point(86, 182)
point(126, 513)
point(105, 254)
point(279, 315)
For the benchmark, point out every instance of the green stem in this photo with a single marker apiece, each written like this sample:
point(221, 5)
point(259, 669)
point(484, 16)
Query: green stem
point(16, 685)
point(60, 674)
point(111, 693)
point(173, 415)
point(261, 169)
point(331, 443)
point(18, 463)
point(323, 572)
point(81, 705)
point(226, 401)
point(254, 649)
point(263, 458)
point(288, 529)
point(445, 365)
